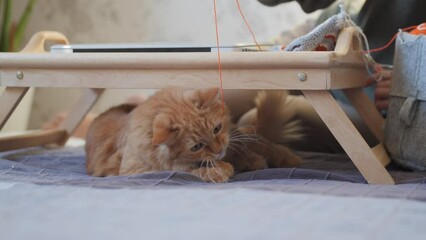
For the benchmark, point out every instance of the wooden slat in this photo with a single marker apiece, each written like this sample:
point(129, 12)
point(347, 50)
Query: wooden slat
point(243, 60)
point(348, 137)
point(154, 78)
point(32, 139)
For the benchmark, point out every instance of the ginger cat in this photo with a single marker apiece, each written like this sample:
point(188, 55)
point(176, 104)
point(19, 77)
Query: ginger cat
point(258, 139)
point(179, 130)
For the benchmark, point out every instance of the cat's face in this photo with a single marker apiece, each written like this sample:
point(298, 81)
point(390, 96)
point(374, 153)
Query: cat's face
point(197, 129)
point(205, 142)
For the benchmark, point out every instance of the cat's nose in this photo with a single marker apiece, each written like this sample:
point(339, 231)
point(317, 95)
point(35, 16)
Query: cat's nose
point(216, 148)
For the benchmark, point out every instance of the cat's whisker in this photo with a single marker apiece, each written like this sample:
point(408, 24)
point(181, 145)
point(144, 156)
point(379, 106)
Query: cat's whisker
point(239, 148)
point(244, 142)
point(236, 130)
point(245, 149)
point(258, 140)
point(250, 141)
point(237, 142)
point(244, 154)
point(220, 173)
point(213, 168)
point(208, 168)
point(264, 142)
point(238, 134)
point(205, 164)
point(202, 162)
point(248, 136)
point(234, 148)
point(241, 152)
point(243, 139)
point(246, 139)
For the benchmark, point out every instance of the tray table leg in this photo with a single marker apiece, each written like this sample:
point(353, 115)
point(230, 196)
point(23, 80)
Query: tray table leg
point(9, 100)
point(367, 111)
point(372, 118)
point(348, 136)
point(79, 111)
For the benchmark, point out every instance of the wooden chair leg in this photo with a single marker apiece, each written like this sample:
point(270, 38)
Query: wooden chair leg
point(9, 100)
point(79, 111)
point(348, 136)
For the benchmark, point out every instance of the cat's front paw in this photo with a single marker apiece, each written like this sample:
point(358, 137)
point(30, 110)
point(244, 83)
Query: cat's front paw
point(217, 172)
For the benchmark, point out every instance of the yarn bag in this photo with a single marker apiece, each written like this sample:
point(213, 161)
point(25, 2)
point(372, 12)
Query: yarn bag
point(405, 126)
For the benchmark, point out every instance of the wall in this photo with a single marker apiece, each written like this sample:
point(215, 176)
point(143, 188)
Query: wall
point(109, 21)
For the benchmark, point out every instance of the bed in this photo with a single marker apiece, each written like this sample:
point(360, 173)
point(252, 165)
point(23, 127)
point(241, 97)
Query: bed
point(46, 194)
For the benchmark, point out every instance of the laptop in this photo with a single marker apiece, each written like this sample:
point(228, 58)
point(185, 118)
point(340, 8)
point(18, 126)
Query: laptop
point(151, 48)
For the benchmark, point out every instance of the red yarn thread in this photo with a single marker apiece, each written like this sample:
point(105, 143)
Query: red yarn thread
point(219, 64)
point(391, 41)
point(247, 24)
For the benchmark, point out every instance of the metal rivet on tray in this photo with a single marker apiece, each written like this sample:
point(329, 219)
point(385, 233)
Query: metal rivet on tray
point(302, 76)
point(19, 75)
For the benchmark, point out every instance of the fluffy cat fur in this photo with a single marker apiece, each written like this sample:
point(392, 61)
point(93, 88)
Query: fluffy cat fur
point(181, 130)
point(259, 138)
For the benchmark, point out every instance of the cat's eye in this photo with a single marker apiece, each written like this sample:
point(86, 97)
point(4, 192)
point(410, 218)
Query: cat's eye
point(217, 129)
point(197, 147)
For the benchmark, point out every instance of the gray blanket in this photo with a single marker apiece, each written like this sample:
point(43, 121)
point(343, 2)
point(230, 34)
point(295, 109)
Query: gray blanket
point(326, 174)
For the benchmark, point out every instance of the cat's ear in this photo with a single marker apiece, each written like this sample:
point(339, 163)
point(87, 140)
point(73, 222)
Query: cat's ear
point(205, 97)
point(163, 129)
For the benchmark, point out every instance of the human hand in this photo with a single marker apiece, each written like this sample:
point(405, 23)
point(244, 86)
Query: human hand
point(381, 94)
